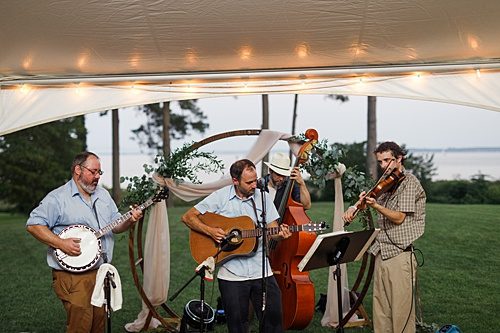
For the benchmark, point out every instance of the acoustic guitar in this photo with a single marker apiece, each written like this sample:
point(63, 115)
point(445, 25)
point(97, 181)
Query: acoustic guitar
point(241, 237)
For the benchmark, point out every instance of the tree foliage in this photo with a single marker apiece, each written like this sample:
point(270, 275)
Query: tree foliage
point(37, 160)
point(353, 156)
point(189, 118)
point(476, 190)
point(422, 167)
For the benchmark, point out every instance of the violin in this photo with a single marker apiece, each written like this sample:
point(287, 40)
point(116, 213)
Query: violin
point(388, 182)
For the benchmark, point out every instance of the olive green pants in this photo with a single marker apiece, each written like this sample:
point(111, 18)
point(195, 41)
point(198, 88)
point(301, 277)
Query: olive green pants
point(75, 292)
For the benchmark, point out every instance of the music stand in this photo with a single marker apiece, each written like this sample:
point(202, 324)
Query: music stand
point(336, 248)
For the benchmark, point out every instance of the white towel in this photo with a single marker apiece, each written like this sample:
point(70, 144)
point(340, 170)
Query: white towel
point(98, 298)
point(209, 264)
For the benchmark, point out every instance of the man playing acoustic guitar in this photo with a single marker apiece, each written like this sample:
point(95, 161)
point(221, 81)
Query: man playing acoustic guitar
point(239, 279)
point(78, 202)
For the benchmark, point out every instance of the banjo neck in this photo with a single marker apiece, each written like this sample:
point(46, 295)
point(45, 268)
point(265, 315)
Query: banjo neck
point(101, 232)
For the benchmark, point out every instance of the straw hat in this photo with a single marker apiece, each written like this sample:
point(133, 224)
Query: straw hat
point(280, 163)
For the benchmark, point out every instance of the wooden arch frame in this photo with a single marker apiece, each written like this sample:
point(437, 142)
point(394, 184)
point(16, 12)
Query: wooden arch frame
point(171, 325)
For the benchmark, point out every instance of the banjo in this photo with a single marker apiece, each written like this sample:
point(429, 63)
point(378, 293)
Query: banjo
point(90, 242)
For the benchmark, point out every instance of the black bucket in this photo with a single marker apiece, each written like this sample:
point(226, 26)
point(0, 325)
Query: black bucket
point(192, 317)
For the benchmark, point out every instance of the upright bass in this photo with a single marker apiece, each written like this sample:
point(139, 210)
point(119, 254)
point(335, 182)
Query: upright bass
point(297, 289)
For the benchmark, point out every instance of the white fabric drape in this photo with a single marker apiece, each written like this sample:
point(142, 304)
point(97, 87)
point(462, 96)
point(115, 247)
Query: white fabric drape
point(156, 275)
point(20, 108)
point(331, 316)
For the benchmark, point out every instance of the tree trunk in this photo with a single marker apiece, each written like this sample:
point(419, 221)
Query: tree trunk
point(294, 119)
point(166, 141)
point(166, 129)
point(265, 125)
point(115, 124)
point(371, 162)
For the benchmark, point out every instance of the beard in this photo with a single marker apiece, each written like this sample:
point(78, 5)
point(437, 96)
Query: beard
point(88, 187)
point(245, 193)
point(278, 183)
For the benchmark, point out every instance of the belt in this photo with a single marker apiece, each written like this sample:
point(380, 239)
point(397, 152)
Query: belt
point(409, 248)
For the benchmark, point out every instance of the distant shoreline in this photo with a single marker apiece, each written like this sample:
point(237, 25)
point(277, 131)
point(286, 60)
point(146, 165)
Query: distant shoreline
point(411, 150)
point(456, 150)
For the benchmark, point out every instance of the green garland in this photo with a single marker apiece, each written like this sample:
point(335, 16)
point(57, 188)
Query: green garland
point(325, 159)
point(181, 165)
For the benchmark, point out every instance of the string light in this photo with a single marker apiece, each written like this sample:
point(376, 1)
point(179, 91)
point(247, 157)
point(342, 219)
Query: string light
point(24, 88)
point(78, 89)
point(27, 63)
point(245, 52)
point(302, 50)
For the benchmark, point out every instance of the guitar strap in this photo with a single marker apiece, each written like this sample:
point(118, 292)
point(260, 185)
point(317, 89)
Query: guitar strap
point(255, 211)
point(104, 253)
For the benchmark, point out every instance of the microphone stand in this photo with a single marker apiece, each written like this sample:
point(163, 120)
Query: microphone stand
point(335, 259)
point(108, 283)
point(201, 274)
point(263, 227)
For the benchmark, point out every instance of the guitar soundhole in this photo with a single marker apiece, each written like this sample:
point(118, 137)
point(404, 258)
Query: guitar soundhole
point(232, 241)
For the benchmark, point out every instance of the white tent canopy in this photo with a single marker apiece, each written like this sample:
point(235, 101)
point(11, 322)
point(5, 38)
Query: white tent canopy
point(66, 58)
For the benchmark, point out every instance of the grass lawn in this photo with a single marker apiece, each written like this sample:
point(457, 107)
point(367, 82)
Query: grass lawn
point(459, 282)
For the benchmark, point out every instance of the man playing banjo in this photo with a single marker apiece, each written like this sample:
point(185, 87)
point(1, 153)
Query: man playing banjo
point(82, 206)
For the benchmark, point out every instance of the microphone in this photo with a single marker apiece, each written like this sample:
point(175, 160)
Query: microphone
point(262, 184)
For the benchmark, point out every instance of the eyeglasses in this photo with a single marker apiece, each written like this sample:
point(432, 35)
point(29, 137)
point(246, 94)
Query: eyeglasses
point(93, 172)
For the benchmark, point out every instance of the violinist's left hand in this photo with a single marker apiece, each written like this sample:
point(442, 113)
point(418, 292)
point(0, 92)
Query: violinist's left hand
point(370, 201)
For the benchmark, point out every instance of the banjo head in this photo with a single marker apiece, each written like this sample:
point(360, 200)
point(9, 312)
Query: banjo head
point(90, 246)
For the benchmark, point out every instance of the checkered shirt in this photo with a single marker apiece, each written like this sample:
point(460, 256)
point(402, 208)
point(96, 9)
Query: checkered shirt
point(408, 198)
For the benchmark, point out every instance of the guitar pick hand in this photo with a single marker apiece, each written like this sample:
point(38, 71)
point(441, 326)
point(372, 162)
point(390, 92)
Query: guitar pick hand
point(71, 246)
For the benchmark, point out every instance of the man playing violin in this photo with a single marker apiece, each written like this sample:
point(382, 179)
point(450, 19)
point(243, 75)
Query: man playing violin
point(401, 218)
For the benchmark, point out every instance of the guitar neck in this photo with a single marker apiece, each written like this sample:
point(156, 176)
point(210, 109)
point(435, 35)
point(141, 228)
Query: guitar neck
point(101, 232)
point(269, 231)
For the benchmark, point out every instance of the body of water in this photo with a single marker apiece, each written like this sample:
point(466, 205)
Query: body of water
point(465, 164)
point(450, 164)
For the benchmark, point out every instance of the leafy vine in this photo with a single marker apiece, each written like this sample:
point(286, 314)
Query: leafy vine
point(182, 164)
point(324, 160)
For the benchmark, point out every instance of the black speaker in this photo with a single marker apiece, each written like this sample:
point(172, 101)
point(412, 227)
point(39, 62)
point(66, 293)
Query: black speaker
point(193, 315)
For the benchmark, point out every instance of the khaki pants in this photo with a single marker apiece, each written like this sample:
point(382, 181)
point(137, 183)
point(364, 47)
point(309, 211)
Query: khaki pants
point(393, 303)
point(75, 292)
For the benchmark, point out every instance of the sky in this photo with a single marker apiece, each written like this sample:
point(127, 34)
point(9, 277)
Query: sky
point(418, 124)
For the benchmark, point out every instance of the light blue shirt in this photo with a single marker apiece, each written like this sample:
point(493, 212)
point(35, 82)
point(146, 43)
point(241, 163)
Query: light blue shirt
point(64, 206)
point(225, 202)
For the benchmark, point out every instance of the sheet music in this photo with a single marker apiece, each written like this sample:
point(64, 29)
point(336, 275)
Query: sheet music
point(316, 257)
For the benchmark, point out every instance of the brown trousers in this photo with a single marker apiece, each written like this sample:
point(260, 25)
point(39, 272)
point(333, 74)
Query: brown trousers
point(75, 292)
point(393, 303)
